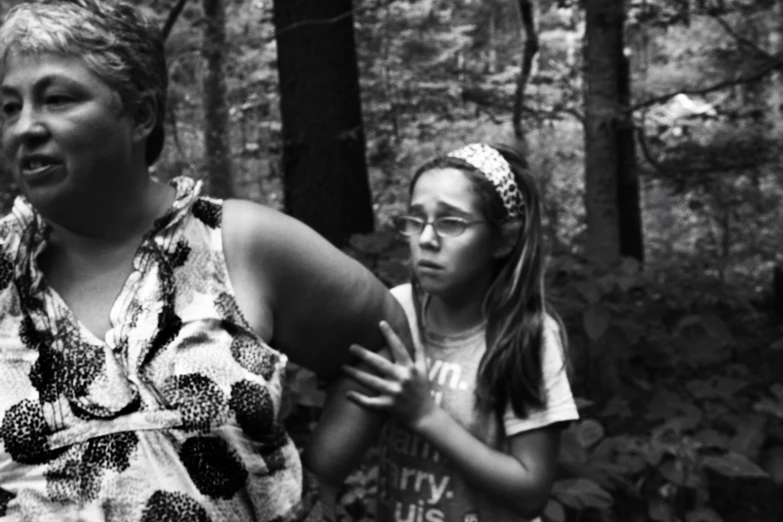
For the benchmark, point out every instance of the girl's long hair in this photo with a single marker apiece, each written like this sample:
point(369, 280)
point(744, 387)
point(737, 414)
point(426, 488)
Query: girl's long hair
point(515, 308)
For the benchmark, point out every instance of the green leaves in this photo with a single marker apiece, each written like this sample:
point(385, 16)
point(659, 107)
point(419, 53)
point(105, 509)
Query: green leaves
point(303, 387)
point(716, 387)
point(582, 493)
point(589, 432)
point(554, 511)
point(734, 465)
point(596, 321)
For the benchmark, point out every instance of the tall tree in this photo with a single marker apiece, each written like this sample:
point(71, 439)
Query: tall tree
point(529, 50)
point(324, 167)
point(628, 204)
point(611, 186)
point(775, 114)
point(775, 110)
point(216, 137)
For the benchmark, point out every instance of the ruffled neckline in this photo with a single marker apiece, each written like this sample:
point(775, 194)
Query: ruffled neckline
point(24, 236)
point(27, 232)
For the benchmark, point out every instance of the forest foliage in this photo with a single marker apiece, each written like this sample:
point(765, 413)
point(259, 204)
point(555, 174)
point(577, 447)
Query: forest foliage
point(675, 362)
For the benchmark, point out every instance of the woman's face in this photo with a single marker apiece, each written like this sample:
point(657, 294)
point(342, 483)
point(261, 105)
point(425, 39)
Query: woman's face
point(459, 266)
point(64, 133)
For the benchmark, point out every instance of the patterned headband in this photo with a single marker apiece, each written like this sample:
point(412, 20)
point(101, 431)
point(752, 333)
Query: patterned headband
point(497, 170)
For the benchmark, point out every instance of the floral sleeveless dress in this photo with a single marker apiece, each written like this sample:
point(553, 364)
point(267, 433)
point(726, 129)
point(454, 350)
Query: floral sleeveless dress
point(174, 416)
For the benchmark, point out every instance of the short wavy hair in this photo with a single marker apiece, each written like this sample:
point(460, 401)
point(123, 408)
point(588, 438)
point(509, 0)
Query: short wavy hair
point(118, 43)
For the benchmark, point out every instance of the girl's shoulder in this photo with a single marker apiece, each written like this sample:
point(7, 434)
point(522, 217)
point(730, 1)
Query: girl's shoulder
point(554, 330)
point(403, 293)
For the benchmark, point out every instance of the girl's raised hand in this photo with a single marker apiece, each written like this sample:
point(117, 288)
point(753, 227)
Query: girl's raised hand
point(402, 386)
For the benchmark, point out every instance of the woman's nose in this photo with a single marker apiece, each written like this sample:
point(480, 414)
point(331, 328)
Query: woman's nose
point(28, 127)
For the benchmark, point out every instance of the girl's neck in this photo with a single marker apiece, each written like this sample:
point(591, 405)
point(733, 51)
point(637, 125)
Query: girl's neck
point(457, 312)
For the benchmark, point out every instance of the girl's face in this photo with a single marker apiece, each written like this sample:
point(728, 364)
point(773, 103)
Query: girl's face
point(452, 267)
point(64, 133)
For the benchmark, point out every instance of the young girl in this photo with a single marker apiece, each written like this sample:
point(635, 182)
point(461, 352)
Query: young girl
point(479, 407)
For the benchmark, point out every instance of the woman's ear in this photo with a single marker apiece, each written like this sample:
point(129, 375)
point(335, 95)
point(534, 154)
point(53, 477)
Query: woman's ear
point(145, 116)
point(509, 234)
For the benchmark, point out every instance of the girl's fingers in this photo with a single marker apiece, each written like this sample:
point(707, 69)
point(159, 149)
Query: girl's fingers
point(375, 403)
point(397, 347)
point(375, 361)
point(374, 382)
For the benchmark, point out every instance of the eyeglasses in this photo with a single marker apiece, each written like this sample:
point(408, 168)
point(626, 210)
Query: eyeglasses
point(444, 226)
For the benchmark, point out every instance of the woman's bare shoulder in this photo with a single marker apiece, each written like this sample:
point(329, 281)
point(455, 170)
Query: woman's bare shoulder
point(251, 233)
point(252, 222)
point(271, 240)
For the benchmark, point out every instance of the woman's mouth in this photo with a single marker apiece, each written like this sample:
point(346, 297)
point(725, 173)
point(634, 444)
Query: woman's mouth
point(428, 266)
point(35, 168)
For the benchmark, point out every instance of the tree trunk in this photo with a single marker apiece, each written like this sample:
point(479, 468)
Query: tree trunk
point(775, 114)
point(529, 50)
point(775, 93)
point(628, 205)
point(777, 291)
point(324, 170)
point(216, 137)
point(492, 53)
point(604, 30)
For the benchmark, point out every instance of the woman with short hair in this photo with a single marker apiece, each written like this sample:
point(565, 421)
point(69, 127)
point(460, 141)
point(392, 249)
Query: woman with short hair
point(144, 327)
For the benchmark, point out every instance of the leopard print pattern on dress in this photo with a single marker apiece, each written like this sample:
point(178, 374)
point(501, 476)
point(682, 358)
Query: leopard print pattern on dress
point(497, 170)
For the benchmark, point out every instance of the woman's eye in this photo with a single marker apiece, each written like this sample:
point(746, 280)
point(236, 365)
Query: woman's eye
point(10, 108)
point(58, 99)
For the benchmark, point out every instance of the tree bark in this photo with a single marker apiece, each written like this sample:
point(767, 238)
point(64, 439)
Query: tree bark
point(529, 51)
point(216, 137)
point(776, 114)
point(775, 93)
point(492, 53)
point(777, 290)
point(604, 31)
point(628, 204)
point(324, 169)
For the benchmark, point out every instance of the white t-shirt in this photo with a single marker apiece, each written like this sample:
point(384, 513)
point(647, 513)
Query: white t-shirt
point(416, 483)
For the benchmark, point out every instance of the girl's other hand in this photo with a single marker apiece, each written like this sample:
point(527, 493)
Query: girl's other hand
point(402, 387)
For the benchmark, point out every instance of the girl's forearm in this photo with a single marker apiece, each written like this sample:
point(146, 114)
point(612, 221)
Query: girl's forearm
point(328, 496)
point(343, 434)
point(499, 475)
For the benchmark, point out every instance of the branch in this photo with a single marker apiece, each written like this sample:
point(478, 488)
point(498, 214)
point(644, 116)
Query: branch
point(682, 172)
point(642, 138)
point(555, 113)
point(327, 21)
point(741, 39)
point(270, 37)
point(529, 52)
point(171, 19)
point(483, 99)
point(758, 75)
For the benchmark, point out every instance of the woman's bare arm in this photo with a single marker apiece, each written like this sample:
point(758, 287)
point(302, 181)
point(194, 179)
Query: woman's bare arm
point(312, 302)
